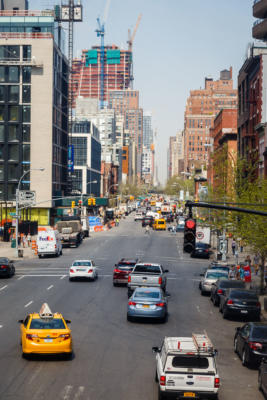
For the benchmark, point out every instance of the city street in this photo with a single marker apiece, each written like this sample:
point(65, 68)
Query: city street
point(112, 357)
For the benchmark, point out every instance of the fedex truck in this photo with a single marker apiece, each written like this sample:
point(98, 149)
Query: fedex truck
point(49, 243)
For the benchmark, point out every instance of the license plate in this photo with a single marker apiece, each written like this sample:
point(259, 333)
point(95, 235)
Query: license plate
point(145, 306)
point(81, 269)
point(189, 394)
point(244, 312)
point(48, 340)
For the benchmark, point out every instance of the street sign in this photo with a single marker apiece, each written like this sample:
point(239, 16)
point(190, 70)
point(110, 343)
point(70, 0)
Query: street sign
point(12, 214)
point(27, 197)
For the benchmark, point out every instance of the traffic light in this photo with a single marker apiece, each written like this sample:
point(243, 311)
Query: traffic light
point(72, 204)
point(89, 202)
point(189, 235)
point(80, 203)
point(93, 200)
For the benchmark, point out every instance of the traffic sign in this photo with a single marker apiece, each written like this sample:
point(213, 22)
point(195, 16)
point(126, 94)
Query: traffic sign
point(27, 197)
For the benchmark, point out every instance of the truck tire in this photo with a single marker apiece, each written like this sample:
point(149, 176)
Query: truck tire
point(160, 395)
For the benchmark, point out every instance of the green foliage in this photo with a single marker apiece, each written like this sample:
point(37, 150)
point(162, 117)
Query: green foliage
point(176, 183)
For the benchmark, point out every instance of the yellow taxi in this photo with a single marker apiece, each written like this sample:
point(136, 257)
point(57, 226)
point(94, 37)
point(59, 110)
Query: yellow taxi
point(45, 333)
point(159, 224)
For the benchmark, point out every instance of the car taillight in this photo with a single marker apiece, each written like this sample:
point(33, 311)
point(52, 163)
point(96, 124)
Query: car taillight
point(220, 291)
point(65, 336)
point(132, 303)
point(160, 304)
point(129, 278)
point(55, 246)
point(72, 270)
point(216, 382)
point(116, 270)
point(160, 280)
point(258, 304)
point(230, 302)
point(255, 345)
point(31, 336)
point(3, 266)
point(206, 250)
point(89, 271)
point(162, 380)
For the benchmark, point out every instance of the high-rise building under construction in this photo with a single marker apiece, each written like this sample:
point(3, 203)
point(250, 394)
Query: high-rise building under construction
point(87, 72)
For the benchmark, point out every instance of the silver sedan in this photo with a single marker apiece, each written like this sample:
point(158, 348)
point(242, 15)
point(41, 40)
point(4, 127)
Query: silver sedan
point(147, 303)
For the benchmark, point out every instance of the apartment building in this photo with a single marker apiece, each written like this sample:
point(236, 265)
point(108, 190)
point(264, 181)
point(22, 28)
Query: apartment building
point(176, 154)
point(201, 108)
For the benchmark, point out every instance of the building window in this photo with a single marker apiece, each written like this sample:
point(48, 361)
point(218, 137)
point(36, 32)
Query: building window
point(13, 74)
point(2, 133)
point(1, 151)
point(27, 53)
point(1, 172)
point(26, 152)
point(26, 94)
point(26, 133)
point(13, 133)
point(2, 74)
point(13, 171)
point(26, 74)
point(13, 152)
point(2, 113)
point(26, 114)
point(11, 189)
point(13, 94)
point(2, 93)
point(13, 113)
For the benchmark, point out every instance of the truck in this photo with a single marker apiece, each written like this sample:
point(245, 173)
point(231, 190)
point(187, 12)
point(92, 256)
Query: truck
point(71, 231)
point(150, 275)
point(85, 226)
point(49, 243)
point(165, 209)
point(186, 368)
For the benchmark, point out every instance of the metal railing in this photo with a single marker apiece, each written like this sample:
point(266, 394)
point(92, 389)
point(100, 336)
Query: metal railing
point(26, 35)
point(27, 13)
point(29, 62)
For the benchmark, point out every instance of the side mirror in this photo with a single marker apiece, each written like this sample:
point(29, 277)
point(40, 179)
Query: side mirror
point(166, 271)
point(155, 349)
point(238, 329)
point(20, 321)
point(67, 321)
point(201, 274)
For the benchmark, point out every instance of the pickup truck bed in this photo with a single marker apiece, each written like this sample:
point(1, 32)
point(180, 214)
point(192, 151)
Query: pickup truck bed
point(150, 275)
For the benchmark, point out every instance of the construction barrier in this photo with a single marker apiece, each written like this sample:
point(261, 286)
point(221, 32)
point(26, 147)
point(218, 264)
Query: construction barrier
point(34, 244)
point(98, 228)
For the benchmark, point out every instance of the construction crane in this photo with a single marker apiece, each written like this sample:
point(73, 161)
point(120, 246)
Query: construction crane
point(130, 40)
point(101, 33)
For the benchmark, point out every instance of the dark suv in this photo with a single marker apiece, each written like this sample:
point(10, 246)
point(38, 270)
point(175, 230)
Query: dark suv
point(242, 303)
point(122, 270)
point(219, 288)
point(7, 268)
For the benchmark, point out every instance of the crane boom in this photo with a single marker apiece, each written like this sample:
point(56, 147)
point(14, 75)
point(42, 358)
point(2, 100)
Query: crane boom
point(131, 38)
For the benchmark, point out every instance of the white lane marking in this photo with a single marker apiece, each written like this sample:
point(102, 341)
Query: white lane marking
point(28, 304)
point(105, 276)
point(1, 326)
point(22, 276)
point(42, 275)
point(2, 288)
point(64, 276)
point(79, 392)
point(198, 309)
point(50, 287)
point(211, 312)
point(34, 374)
point(65, 395)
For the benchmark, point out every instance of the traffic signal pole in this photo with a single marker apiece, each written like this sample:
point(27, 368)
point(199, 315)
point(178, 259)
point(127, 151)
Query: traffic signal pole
point(191, 204)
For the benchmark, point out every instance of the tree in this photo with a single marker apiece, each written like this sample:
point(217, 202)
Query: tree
point(176, 183)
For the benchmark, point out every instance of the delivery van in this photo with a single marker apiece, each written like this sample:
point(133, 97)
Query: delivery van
point(49, 243)
point(159, 224)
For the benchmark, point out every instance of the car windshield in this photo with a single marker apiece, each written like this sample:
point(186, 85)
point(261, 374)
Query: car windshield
point(215, 275)
point(190, 362)
point(82, 264)
point(47, 323)
point(147, 294)
point(155, 269)
point(220, 267)
point(243, 295)
point(259, 332)
point(3, 260)
point(161, 222)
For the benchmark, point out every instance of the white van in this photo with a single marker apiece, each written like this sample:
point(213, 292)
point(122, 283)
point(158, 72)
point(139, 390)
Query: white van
point(49, 243)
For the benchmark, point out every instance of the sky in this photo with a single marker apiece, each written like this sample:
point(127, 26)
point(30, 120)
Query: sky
point(178, 44)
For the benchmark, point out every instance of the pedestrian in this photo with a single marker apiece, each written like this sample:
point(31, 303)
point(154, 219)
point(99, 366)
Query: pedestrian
point(241, 246)
point(248, 260)
point(247, 276)
point(256, 262)
point(24, 241)
point(232, 272)
point(233, 246)
point(29, 239)
point(241, 272)
point(265, 276)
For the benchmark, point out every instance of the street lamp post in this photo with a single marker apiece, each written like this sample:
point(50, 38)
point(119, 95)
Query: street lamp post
point(115, 184)
point(17, 203)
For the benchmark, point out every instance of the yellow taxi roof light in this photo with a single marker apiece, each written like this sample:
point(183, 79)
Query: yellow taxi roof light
point(45, 311)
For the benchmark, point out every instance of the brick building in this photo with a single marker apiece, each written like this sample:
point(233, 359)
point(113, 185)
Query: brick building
point(201, 108)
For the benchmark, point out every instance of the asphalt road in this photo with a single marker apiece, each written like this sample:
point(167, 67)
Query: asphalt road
point(112, 357)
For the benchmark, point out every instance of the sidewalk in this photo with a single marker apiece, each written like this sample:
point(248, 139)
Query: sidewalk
point(7, 251)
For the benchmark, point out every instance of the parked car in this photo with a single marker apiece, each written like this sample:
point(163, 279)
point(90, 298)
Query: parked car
point(148, 303)
point(7, 268)
point(219, 287)
point(262, 377)
point(122, 270)
point(209, 278)
point(250, 343)
point(239, 302)
point(83, 269)
point(220, 267)
point(201, 250)
point(147, 221)
point(138, 216)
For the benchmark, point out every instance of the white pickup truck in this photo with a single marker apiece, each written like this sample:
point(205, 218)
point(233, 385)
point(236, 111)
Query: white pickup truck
point(145, 274)
point(186, 368)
